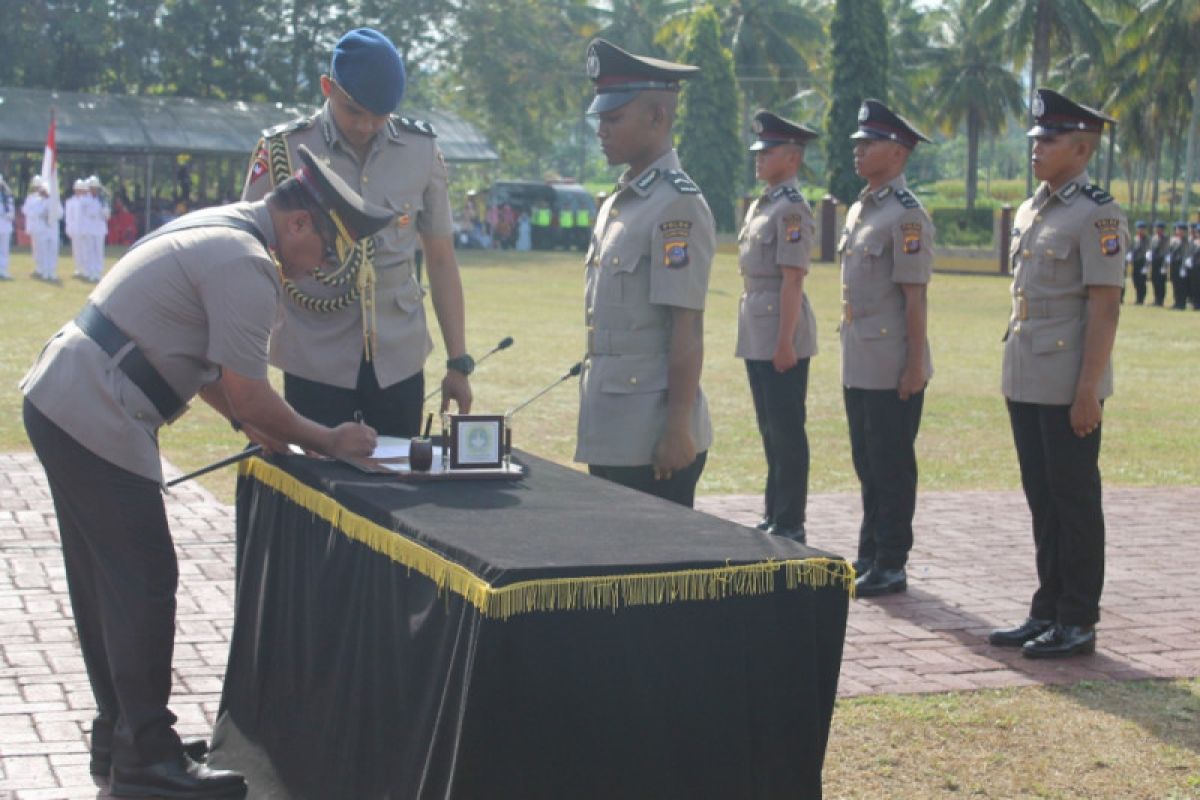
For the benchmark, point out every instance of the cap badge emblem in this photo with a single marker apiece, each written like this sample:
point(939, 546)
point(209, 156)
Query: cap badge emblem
point(863, 113)
point(593, 64)
point(758, 126)
point(1039, 106)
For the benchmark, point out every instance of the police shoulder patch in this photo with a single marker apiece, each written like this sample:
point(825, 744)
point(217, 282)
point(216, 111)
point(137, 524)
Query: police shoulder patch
point(907, 198)
point(411, 125)
point(680, 180)
point(1096, 194)
point(291, 126)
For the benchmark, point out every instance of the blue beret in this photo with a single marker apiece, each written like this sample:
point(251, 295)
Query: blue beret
point(367, 66)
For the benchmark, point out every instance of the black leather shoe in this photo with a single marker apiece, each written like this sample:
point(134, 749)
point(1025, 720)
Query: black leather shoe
point(795, 534)
point(178, 778)
point(1061, 641)
point(101, 764)
point(879, 581)
point(1018, 635)
point(862, 566)
point(763, 525)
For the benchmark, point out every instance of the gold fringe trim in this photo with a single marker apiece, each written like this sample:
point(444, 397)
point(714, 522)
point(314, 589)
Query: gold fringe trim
point(608, 592)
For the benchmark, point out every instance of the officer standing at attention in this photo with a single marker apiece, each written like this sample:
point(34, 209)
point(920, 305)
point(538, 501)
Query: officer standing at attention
point(1157, 259)
point(1138, 259)
point(1173, 262)
point(353, 338)
point(72, 215)
point(42, 213)
point(643, 420)
point(8, 211)
point(186, 311)
point(887, 263)
point(777, 332)
point(1068, 258)
point(1192, 265)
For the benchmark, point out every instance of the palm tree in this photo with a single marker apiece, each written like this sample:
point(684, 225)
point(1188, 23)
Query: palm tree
point(972, 84)
point(1036, 28)
point(1162, 59)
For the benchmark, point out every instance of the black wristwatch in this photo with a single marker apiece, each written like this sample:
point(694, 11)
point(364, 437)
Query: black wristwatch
point(464, 364)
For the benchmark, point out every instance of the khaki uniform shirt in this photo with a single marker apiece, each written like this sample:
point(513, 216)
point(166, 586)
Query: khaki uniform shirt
point(404, 172)
point(1062, 243)
point(194, 302)
point(888, 240)
point(778, 230)
point(651, 250)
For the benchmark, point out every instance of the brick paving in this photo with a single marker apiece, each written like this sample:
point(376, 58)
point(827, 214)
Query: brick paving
point(971, 569)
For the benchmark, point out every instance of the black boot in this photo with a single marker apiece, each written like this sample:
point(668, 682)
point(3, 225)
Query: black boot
point(178, 778)
point(1061, 641)
point(1018, 635)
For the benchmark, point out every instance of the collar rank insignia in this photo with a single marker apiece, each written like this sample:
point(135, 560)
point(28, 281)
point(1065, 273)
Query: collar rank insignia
point(1096, 194)
point(646, 181)
point(907, 199)
point(1068, 191)
point(883, 193)
point(682, 183)
point(1110, 236)
point(675, 246)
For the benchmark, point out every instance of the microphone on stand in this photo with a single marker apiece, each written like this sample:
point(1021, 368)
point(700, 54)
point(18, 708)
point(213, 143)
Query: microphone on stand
point(508, 415)
point(503, 344)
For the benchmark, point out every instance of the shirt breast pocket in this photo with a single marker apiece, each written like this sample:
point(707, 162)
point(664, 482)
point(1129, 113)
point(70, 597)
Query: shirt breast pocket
point(1058, 259)
point(402, 231)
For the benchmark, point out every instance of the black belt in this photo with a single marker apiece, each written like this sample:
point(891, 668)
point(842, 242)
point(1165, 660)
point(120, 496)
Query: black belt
point(111, 339)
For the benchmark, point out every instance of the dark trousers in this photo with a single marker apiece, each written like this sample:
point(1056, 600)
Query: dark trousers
point(121, 575)
point(779, 406)
point(1139, 283)
point(1061, 476)
point(1158, 281)
point(391, 411)
point(1179, 287)
point(883, 433)
point(1194, 280)
point(679, 488)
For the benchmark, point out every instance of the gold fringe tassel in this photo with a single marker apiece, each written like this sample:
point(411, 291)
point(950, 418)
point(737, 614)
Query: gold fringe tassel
point(555, 594)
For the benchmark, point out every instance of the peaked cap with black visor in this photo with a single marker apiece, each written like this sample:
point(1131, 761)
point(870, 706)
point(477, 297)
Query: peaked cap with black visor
point(772, 129)
point(352, 217)
point(1054, 113)
point(620, 75)
point(878, 122)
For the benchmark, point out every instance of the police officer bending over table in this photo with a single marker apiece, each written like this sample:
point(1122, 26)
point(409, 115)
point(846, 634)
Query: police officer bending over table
point(1068, 264)
point(777, 332)
point(643, 420)
point(353, 337)
point(887, 261)
point(186, 311)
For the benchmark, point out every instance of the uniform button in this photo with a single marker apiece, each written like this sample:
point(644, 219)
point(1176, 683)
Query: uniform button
point(633, 380)
point(615, 260)
point(845, 286)
point(1049, 252)
point(139, 415)
point(1060, 343)
point(883, 330)
point(612, 213)
point(770, 308)
point(1017, 328)
point(1038, 218)
point(1020, 292)
point(365, 178)
point(1027, 253)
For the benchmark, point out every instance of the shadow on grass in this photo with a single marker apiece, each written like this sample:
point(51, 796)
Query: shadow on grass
point(1167, 710)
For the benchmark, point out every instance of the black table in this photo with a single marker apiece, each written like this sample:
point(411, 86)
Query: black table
point(559, 637)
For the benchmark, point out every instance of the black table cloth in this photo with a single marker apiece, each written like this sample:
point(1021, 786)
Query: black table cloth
point(556, 637)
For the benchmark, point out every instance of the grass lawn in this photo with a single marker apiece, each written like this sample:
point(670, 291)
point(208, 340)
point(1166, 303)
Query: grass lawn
point(1112, 740)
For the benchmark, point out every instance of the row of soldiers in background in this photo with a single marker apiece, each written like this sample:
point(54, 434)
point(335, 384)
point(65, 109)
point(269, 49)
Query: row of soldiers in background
point(87, 215)
point(1160, 258)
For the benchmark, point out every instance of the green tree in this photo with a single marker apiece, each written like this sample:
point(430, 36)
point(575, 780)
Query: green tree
point(1038, 28)
point(709, 145)
point(860, 59)
point(972, 86)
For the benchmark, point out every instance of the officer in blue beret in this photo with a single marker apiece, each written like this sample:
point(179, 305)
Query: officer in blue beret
point(886, 252)
point(1068, 268)
point(1138, 259)
point(353, 339)
point(1158, 262)
point(1173, 261)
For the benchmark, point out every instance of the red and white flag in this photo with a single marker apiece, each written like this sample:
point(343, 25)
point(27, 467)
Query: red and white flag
point(50, 169)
